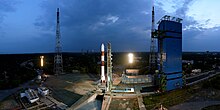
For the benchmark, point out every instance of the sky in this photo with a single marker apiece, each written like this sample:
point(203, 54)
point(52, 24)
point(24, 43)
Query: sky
point(28, 26)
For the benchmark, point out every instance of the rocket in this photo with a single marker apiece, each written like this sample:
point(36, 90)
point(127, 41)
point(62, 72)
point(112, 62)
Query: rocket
point(102, 63)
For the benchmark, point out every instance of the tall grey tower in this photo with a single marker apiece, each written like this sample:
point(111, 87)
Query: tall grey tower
point(153, 58)
point(109, 67)
point(58, 61)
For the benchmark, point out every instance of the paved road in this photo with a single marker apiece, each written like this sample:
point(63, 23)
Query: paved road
point(194, 105)
point(8, 92)
point(93, 105)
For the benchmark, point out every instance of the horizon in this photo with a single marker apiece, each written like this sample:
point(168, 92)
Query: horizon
point(100, 52)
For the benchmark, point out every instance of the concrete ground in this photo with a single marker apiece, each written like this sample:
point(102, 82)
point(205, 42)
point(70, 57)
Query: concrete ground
point(79, 83)
point(8, 92)
point(94, 105)
point(203, 98)
point(69, 88)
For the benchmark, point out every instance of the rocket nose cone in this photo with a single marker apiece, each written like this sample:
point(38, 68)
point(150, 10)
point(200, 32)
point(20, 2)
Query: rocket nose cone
point(102, 47)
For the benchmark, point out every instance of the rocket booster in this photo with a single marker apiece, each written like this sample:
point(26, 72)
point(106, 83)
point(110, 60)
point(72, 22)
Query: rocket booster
point(102, 63)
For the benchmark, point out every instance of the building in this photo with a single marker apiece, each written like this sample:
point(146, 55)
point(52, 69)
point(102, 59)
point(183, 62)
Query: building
point(137, 79)
point(132, 76)
point(132, 71)
point(43, 91)
point(170, 52)
point(188, 62)
point(196, 71)
point(31, 95)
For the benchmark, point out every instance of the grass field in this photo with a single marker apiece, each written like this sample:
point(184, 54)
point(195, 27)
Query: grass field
point(168, 99)
point(207, 90)
point(124, 104)
point(213, 107)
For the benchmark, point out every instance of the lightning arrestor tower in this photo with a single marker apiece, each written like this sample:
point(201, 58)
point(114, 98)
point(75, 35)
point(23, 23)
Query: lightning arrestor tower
point(152, 58)
point(58, 61)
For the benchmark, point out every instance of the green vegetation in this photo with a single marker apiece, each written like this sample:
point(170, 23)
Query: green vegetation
point(212, 83)
point(213, 107)
point(203, 60)
point(123, 104)
point(169, 98)
point(20, 76)
point(162, 82)
point(175, 97)
point(85, 63)
point(12, 74)
point(13, 70)
point(17, 69)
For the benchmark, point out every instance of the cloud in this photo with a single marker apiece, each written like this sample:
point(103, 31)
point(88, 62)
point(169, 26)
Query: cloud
point(204, 12)
point(84, 25)
point(104, 21)
point(6, 6)
point(112, 19)
point(145, 12)
point(199, 31)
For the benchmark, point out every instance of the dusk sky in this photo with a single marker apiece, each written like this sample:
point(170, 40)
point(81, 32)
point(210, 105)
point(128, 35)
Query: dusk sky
point(28, 26)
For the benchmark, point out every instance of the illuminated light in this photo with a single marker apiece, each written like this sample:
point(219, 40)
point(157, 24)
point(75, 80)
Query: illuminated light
point(41, 61)
point(130, 58)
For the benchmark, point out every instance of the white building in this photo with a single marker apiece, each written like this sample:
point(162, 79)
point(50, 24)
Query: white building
point(196, 71)
point(132, 71)
point(31, 95)
point(43, 91)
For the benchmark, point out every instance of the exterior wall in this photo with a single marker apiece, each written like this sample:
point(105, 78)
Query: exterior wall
point(170, 45)
point(134, 71)
point(136, 79)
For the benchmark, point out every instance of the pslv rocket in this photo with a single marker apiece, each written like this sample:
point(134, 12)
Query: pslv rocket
point(102, 63)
